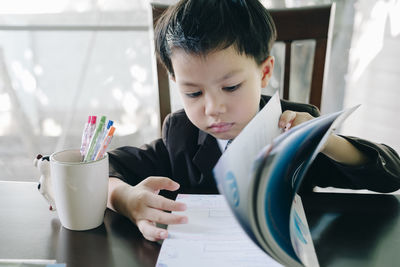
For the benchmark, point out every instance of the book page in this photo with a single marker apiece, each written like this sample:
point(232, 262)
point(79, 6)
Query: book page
point(212, 237)
point(300, 234)
point(281, 172)
point(233, 179)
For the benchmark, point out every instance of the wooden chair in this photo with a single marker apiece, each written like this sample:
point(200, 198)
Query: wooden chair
point(292, 24)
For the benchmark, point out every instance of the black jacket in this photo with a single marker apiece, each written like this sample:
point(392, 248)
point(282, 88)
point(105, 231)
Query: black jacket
point(187, 155)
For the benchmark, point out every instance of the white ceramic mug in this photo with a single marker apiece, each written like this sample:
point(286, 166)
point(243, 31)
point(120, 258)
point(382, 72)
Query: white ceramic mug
point(80, 189)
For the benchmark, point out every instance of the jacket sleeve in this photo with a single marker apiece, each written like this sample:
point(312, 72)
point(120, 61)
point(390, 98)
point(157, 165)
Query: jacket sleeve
point(380, 174)
point(133, 164)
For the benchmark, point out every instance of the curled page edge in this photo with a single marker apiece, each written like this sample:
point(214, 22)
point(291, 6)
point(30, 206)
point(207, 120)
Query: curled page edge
point(248, 226)
point(331, 121)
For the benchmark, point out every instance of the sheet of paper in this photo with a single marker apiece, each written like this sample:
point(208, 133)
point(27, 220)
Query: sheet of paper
point(212, 237)
point(234, 180)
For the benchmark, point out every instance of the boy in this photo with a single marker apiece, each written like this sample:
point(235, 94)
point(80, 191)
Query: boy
point(218, 53)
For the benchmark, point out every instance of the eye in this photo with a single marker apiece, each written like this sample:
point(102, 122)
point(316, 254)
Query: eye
point(231, 88)
point(194, 95)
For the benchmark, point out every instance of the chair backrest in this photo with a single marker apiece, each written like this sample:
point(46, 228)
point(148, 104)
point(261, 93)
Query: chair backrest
point(292, 24)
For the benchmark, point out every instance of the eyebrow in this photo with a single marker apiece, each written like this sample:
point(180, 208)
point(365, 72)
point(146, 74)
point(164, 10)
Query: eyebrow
point(225, 77)
point(189, 84)
point(230, 74)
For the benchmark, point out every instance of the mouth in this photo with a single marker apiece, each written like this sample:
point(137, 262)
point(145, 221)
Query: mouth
point(220, 127)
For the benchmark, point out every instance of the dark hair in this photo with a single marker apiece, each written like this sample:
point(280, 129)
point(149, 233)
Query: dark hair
point(203, 26)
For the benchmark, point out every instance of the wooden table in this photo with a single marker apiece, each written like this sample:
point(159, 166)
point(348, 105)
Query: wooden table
point(28, 230)
point(347, 229)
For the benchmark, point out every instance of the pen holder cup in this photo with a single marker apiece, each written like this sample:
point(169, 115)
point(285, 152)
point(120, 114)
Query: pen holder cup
point(80, 189)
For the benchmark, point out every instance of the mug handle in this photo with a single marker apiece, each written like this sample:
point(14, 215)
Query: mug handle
point(45, 185)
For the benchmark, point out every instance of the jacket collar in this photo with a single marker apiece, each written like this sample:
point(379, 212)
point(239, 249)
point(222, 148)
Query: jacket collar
point(208, 153)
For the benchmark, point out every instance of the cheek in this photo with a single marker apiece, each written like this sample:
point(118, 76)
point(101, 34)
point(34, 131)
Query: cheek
point(250, 110)
point(250, 102)
point(193, 111)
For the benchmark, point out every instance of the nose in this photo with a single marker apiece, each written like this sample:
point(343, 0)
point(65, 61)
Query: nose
point(215, 104)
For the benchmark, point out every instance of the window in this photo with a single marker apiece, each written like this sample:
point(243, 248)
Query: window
point(60, 63)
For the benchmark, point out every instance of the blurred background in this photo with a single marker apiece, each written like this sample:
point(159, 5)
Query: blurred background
point(61, 61)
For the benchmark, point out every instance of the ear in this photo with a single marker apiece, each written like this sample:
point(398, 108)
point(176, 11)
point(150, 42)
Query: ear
point(266, 68)
point(172, 77)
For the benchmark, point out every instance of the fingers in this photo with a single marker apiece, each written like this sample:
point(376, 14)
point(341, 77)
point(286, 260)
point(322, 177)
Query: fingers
point(287, 119)
point(290, 119)
point(152, 207)
point(150, 231)
point(146, 207)
point(147, 219)
point(151, 197)
point(162, 203)
point(157, 183)
point(163, 217)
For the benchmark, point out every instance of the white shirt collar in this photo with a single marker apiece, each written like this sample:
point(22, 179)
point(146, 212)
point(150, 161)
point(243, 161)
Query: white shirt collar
point(222, 144)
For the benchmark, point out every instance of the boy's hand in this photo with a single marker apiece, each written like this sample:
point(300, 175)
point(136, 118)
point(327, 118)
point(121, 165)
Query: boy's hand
point(290, 119)
point(142, 205)
point(336, 147)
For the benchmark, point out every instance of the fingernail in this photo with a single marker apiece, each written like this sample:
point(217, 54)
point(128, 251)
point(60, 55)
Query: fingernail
point(287, 126)
point(163, 235)
point(183, 220)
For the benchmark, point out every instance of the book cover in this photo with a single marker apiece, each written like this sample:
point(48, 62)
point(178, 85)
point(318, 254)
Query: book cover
point(260, 173)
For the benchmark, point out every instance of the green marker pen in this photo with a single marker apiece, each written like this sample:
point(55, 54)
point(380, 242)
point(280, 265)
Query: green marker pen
point(92, 145)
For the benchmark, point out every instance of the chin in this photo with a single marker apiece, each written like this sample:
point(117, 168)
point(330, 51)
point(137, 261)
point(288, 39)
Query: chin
point(223, 136)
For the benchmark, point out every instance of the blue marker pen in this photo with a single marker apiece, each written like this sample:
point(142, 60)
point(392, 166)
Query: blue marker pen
point(101, 139)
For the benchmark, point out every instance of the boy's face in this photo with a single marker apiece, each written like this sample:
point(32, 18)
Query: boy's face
point(221, 91)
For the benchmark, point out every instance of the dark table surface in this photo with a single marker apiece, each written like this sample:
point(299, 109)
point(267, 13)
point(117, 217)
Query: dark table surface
point(28, 230)
point(347, 229)
point(354, 229)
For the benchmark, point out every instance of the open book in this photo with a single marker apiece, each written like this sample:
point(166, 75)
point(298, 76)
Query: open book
point(260, 173)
